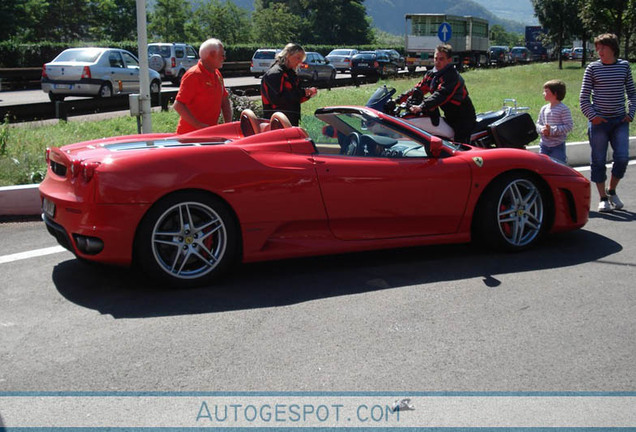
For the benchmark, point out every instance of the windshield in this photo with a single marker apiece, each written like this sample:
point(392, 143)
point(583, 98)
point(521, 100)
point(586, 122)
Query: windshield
point(377, 137)
point(82, 55)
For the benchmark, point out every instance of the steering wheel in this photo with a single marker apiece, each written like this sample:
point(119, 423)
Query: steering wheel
point(354, 144)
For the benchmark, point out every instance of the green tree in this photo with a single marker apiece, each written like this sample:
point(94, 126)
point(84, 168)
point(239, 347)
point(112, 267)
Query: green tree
point(317, 21)
point(611, 16)
point(64, 21)
point(169, 20)
point(336, 22)
point(499, 36)
point(19, 18)
point(275, 25)
point(225, 21)
point(114, 19)
point(559, 22)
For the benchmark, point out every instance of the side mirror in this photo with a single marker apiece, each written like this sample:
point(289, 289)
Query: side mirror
point(435, 146)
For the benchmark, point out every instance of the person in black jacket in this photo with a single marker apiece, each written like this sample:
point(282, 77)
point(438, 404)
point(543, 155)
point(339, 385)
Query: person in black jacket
point(280, 86)
point(448, 92)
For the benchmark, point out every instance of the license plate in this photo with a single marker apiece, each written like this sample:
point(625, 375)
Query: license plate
point(63, 86)
point(363, 64)
point(48, 208)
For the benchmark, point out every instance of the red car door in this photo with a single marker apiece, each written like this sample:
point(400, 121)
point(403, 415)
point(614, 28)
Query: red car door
point(376, 197)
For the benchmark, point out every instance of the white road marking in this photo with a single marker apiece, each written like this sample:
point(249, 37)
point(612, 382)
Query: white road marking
point(30, 254)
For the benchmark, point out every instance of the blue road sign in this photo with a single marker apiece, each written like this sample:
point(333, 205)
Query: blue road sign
point(444, 32)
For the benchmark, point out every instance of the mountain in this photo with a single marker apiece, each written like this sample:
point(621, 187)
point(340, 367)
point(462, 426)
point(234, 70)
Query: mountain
point(388, 15)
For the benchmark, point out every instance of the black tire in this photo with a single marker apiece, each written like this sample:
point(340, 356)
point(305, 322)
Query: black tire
point(177, 80)
point(105, 91)
point(56, 97)
point(512, 214)
point(187, 239)
point(155, 87)
point(411, 69)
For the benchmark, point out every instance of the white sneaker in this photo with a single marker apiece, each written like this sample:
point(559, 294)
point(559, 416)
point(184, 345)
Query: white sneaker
point(615, 201)
point(604, 206)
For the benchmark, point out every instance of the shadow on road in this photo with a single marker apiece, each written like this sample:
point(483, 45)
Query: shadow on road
point(124, 293)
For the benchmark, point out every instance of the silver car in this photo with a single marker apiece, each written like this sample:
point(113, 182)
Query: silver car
point(97, 72)
point(316, 68)
point(172, 60)
point(341, 58)
point(262, 60)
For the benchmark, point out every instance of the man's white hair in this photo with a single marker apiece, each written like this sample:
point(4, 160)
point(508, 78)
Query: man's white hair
point(209, 46)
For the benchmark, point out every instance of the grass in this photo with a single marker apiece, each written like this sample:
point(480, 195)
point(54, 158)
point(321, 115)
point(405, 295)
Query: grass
point(22, 147)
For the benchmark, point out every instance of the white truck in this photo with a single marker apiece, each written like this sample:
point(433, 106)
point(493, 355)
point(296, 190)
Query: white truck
point(466, 34)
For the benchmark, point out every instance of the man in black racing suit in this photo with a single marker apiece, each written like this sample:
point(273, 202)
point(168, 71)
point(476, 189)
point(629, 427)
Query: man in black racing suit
point(448, 92)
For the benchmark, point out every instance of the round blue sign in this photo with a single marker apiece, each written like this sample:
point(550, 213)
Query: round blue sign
point(444, 32)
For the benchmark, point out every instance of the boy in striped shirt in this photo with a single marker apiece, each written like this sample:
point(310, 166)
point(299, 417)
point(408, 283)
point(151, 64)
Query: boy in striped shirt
point(554, 122)
point(606, 82)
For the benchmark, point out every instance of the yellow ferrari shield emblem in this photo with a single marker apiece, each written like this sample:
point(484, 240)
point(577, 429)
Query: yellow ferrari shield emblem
point(478, 161)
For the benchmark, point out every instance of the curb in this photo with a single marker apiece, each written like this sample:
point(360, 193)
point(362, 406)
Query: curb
point(24, 200)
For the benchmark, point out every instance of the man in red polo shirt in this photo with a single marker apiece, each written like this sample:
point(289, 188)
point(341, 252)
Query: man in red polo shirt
point(202, 95)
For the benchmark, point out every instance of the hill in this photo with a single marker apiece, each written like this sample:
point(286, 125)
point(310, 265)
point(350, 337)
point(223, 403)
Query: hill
point(388, 15)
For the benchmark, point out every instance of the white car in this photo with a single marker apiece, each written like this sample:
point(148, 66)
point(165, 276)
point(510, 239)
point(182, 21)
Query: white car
point(97, 72)
point(172, 60)
point(262, 60)
point(341, 58)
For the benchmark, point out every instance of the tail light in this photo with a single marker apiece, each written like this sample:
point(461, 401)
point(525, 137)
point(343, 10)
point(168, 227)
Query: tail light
point(304, 66)
point(376, 64)
point(173, 62)
point(47, 155)
point(44, 71)
point(83, 169)
point(252, 64)
point(86, 74)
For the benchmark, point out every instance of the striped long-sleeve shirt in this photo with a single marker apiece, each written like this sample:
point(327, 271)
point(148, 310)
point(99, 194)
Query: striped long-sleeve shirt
point(604, 88)
point(559, 118)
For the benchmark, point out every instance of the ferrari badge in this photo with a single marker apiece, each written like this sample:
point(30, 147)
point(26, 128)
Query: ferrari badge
point(478, 161)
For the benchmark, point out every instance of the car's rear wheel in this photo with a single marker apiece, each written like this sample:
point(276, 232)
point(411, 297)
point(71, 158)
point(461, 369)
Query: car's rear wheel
point(105, 91)
point(512, 213)
point(177, 80)
point(187, 239)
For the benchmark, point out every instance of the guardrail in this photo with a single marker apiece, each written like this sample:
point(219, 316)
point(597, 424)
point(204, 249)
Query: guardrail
point(64, 109)
point(29, 77)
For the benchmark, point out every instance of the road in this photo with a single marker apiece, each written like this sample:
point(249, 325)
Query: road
point(37, 96)
point(561, 317)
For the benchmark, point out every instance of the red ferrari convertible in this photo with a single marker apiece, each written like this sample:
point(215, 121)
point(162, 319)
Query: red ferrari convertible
point(187, 207)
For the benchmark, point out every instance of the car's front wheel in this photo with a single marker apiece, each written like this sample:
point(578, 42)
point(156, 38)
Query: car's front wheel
point(187, 239)
point(512, 213)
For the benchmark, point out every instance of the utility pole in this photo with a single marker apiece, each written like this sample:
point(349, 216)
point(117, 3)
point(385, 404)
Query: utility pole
point(144, 80)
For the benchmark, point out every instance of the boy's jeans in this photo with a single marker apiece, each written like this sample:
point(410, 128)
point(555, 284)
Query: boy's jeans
point(614, 132)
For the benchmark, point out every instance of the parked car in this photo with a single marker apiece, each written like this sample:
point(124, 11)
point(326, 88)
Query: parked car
point(316, 68)
point(396, 58)
point(520, 55)
point(577, 54)
point(341, 58)
point(566, 53)
point(97, 72)
point(499, 56)
point(172, 60)
point(262, 60)
point(170, 204)
point(372, 63)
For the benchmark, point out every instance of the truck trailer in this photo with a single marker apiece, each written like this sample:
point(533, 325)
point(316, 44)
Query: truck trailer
point(468, 37)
